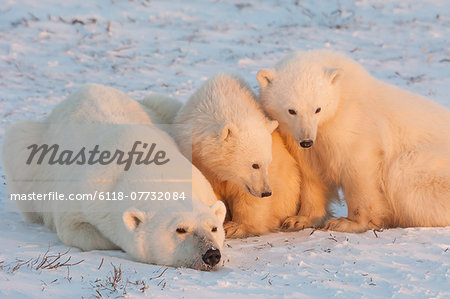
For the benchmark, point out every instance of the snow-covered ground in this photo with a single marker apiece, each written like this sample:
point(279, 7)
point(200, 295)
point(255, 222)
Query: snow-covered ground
point(49, 48)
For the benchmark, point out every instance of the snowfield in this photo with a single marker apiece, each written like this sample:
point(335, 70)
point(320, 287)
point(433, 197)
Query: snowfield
point(50, 48)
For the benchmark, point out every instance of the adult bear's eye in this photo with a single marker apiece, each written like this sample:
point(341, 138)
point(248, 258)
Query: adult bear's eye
point(318, 110)
point(181, 230)
point(255, 166)
point(292, 112)
point(214, 229)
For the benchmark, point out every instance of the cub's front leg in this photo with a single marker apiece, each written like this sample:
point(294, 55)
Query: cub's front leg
point(234, 230)
point(314, 202)
point(367, 207)
point(250, 216)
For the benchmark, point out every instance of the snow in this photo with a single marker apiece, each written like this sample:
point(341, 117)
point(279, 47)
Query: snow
point(49, 48)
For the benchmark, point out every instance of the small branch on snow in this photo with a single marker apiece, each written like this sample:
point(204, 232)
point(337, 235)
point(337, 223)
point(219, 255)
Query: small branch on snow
point(159, 274)
point(101, 263)
point(42, 262)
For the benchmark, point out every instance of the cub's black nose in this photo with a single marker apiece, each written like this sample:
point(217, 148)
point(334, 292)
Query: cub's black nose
point(212, 257)
point(266, 194)
point(306, 143)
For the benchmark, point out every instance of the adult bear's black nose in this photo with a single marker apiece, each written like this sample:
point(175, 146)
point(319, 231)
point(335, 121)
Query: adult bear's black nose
point(306, 143)
point(212, 257)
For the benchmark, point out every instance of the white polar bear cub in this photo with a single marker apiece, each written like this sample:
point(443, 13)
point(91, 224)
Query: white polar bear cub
point(240, 152)
point(183, 233)
point(387, 148)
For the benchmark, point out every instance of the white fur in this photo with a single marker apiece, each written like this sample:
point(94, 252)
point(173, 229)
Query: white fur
point(388, 148)
point(161, 108)
point(230, 133)
point(145, 230)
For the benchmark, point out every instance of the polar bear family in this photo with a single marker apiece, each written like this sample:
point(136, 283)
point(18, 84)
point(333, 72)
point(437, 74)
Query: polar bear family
point(276, 160)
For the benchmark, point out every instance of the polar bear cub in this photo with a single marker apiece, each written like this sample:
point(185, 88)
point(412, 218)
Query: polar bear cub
point(237, 148)
point(388, 149)
point(185, 232)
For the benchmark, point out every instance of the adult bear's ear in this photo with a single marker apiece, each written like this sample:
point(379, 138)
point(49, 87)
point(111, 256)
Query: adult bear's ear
point(227, 130)
point(219, 209)
point(265, 76)
point(132, 218)
point(334, 74)
point(273, 124)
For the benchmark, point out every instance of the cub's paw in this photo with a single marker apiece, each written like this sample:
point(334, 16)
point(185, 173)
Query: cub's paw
point(345, 225)
point(234, 230)
point(295, 223)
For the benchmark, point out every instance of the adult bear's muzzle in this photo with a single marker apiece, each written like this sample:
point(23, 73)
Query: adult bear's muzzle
point(211, 257)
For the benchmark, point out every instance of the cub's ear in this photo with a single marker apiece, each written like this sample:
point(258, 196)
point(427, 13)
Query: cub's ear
point(273, 124)
point(227, 130)
point(334, 74)
point(219, 209)
point(132, 218)
point(265, 76)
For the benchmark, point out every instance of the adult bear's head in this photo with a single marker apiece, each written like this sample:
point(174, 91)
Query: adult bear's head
point(179, 238)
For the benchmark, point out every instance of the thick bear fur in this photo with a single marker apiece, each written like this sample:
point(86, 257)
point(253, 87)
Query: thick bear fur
point(239, 151)
point(387, 148)
point(169, 233)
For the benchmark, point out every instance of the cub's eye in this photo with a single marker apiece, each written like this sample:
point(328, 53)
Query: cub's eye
point(214, 229)
point(292, 112)
point(255, 166)
point(181, 230)
point(318, 110)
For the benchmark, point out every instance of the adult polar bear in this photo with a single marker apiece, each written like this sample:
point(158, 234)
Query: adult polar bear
point(387, 148)
point(187, 233)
